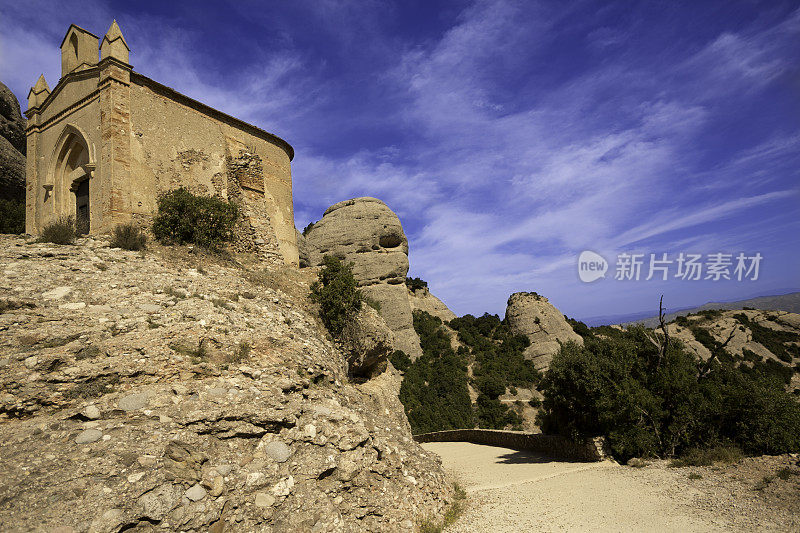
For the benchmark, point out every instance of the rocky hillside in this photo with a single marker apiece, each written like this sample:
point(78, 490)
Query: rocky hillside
point(12, 147)
point(175, 391)
point(764, 339)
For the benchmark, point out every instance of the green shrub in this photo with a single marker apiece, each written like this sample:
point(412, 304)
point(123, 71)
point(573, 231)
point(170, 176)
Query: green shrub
point(183, 217)
point(337, 294)
point(620, 387)
point(400, 360)
point(415, 283)
point(60, 231)
point(12, 216)
point(128, 237)
point(308, 228)
point(434, 391)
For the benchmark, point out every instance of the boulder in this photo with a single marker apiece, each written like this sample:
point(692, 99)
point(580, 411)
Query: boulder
point(366, 233)
point(533, 315)
point(368, 341)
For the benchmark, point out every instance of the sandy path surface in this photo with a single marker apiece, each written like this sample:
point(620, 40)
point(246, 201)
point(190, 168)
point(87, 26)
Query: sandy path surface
point(518, 491)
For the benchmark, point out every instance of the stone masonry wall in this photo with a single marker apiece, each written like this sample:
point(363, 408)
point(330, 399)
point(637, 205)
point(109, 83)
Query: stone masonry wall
point(552, 445)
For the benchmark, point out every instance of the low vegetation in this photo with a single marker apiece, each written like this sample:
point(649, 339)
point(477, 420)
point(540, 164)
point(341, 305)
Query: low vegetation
point(416, 283)
point(454, 510)
point(434, 391)
point(59, 231)
point(499, 364)
point(128, 237)
point(186, 218)
point(12, 216)
point(654, 402)
point(337, 294)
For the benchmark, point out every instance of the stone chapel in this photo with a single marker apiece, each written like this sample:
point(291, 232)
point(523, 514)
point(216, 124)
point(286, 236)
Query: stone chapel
point(107, 140)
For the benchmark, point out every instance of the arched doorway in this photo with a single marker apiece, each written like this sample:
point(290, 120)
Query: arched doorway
point(71, 179)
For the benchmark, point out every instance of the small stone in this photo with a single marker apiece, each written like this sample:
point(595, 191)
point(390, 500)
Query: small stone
point(134, 402)
point(310, 431)
point(150, 308)
point(283, 487)
point(196, 493)
point(31, 361)
point(88, 436)
point(217, 486)
point(264, 500)
point(224, 470)
point(74, 306)
point(57, 293)
point(133, 478)
point(91, 412)
point(147, 460)
point(278, 451)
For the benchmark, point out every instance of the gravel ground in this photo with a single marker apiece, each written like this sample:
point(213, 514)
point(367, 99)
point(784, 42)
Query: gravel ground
point(514, 491)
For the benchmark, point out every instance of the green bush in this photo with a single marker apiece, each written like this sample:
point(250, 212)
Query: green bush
point(400, 360)
point(12, 216)
point(128, 237)
point(416, 283)
point(60, 231)
point(337, 294)
point(434, 391)
point(183, 217)
point(647, 406)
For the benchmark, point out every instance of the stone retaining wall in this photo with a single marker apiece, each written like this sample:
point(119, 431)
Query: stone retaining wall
point(552, 445)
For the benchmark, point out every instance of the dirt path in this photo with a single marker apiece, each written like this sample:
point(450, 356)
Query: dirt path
point(512, 491)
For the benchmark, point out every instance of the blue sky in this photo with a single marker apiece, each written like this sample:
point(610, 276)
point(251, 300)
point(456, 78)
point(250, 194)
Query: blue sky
point(508, 136)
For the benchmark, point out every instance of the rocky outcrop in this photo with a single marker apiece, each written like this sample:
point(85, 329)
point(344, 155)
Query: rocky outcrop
point(178, 392)
point(368, 342)
point(423, 300)
point(12, 147)
point(12, 123)
point(302, 249)
point(534, 316)
point(366, 233)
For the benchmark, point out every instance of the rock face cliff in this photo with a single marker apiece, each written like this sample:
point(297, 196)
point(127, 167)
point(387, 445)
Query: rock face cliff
point(12, 147)
point(533, 315)
point(365, 232)
point(173, 391)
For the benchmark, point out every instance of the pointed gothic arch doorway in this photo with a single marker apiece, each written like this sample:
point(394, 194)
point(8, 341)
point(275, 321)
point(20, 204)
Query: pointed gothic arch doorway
point(70, 185)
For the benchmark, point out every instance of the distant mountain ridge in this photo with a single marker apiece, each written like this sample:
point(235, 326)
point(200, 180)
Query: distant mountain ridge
point(782, 302)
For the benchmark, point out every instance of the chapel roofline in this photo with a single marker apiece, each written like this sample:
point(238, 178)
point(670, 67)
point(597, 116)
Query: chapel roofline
point(169, 92)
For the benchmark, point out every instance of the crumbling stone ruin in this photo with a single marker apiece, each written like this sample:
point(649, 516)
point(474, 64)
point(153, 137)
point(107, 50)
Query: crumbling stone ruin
point(106, 141)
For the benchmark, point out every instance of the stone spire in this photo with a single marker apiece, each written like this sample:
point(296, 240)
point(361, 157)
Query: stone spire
point(38, 93)
point(114, 44)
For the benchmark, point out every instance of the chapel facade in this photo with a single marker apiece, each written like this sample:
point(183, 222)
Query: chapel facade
point(106, 141)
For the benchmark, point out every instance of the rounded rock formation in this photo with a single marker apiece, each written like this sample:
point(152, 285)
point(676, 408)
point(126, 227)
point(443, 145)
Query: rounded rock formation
point(366, 233)
point(533, 315)
point(12, 147)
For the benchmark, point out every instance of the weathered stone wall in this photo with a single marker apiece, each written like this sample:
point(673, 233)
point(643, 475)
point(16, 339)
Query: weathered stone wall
point(552, 445)
point(176, 145)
